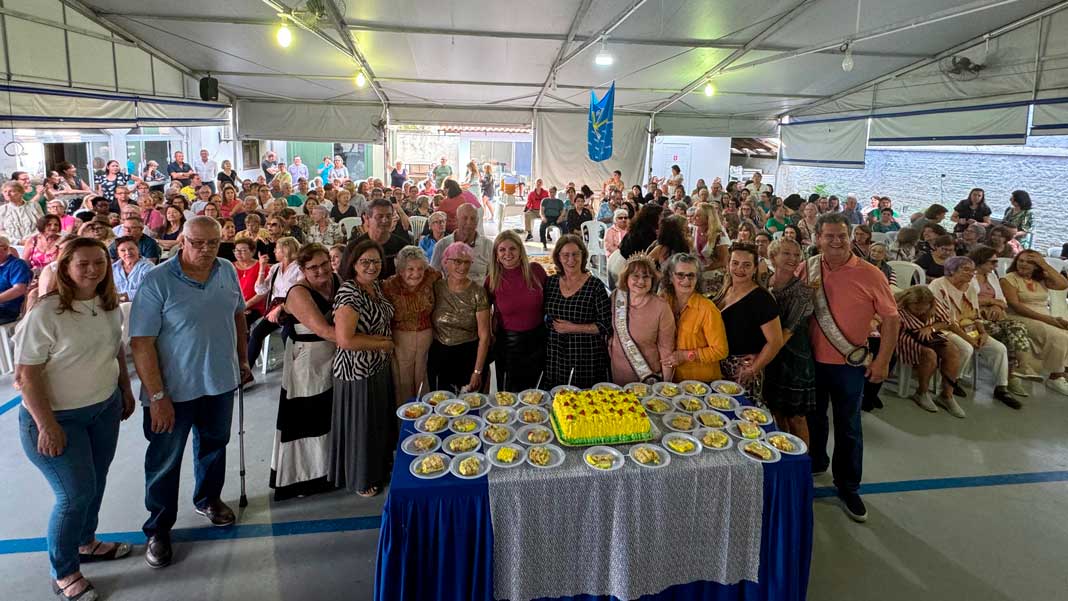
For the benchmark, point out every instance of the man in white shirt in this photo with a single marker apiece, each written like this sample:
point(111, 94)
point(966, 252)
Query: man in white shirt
point(207, 169)
point(298, 169)
point(756, 187)
point(467, 231)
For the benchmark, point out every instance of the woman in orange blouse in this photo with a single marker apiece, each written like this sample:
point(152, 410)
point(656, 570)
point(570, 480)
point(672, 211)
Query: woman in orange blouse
point(411, 290)
point(701, 340)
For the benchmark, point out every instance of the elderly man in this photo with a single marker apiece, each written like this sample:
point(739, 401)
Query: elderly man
point(134, 228)
point(440, 172)
point(269, 166)
point(378, 226)
point(188, 333)
point(467, 232)
point(179, 170)
point(18, 218)
point(851, 211)
point(850, 293)
point(15, 276)
point(532, 210)
point(207, 169)
point(298, 169)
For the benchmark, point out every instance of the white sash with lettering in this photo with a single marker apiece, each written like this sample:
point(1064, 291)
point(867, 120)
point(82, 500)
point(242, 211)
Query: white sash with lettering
point(857, 356)
point(621, 324)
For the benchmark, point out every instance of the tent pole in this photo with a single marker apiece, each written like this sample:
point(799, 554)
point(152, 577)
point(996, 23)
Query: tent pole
point(649, 152)
point(534, 146)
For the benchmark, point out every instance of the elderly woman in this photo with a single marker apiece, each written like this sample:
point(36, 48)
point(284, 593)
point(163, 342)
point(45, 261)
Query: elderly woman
point(993, 312)
point(322, 230)
point(958, 296)
point(69, 426)
point(642, 345)
point(971, 237)
point(700, 339)
point(790, 378)
point(42, 248)
point(924, 344)
point(578, 313)
point(59, 209)
point(1026, 288)
point(299, 463)
point(272, 285)
point(515, 287)
point(363, 427)
point(461, 317)
point(344, 207)
point(751, 317)
point(436, 223)
point(934, 262)
point(614, 234)
point(411, 291)
point(129, 269)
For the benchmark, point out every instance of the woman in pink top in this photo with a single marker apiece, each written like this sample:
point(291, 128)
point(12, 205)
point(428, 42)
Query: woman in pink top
point(43, 247)
point(59, 209)
point(515, 293)
point(613, 235)
point(643, 337)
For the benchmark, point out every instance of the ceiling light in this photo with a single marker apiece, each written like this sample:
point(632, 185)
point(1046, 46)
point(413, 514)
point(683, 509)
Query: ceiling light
point(847, 62)
point(603, 58)
point(361, 80)
point(710, 90)
point(284, 36)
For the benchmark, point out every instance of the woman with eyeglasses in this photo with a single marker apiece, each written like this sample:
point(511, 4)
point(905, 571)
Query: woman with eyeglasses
point(461, 325)
point(411, 290)
point(428, 241)
point(614, 234)
point(700, 339)
point(578, 314)
point(642, 343)
point(268, 238)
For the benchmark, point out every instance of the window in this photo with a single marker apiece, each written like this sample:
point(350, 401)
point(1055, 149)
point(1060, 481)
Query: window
point(250, 154)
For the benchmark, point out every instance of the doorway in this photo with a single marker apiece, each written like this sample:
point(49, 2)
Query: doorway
point(76, 153)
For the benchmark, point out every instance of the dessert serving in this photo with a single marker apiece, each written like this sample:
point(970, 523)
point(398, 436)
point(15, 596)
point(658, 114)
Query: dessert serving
point(592, 417)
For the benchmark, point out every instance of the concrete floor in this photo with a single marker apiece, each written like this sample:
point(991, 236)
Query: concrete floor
point(931, 534)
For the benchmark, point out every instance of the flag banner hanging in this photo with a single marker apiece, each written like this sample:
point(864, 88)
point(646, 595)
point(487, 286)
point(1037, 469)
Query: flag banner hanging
point(599, 137)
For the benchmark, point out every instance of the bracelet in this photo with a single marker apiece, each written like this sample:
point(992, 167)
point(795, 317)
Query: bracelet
point(478, 372)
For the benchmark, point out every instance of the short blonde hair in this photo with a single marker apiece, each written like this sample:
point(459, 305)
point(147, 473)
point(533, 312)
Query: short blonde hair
point(290, 245)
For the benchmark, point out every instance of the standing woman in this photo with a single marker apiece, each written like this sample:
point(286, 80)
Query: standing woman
point(228, 177)
point(299, 464)
point(69, 426)
point(674, 180)
point(152, 176)
point(642, 344)
point(248, 270)
point(751, 317)
point(578, 314)
point(516, 294)
point(700, 340)
point(411, 291)
point(112, 178)
point(489, 190)
point(472, 181)
point(363, 427)
point(461, 319)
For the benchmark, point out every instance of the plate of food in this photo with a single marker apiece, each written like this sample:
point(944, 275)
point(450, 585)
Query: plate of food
point(657, 405)
point(466, 424)
point(503, 398)
point(507, 455)
point(421, 444)
point(475, 400)
point(667, 389)
point(437, 396)
point(756, 415)
point(545, 456)
point(607, 386)
point(728, 388)
point(603, 459)
point(501, 416)
point(681, 444)
point(452, 408)
point(469, 466)
point(556, 389)
point(534, 434)
point(708, 418)
point(413, 410)
point(756, 450)
point(745, 430)
point(533, 396)
point(494, 434)
point(714, 439)
point(455, 444)
point(680, 422)
point(695, 388)
point(432, 424)
point(649, 455)
point(532, 415)
point(640, 389)
point(430, 466)
point(787, 444)
point(721, 402)
point(688, 404)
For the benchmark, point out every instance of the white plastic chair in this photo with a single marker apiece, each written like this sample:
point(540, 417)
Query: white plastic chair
point(265, 354)
point(907, 274)
point(350, 223)
point(593, 235)
point(7, 348)
point(17, 249)
point(1003, 266)
point(1056, 263)
point(882, 237)
point(299, 209)
point(417, 223)
point(1053, 251)
point(776, 235)
point(890, 236)
point(1058, 303)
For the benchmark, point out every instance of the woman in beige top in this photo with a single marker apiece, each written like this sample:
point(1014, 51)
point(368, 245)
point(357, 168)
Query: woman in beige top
point(411, 290)
point(1026, 289)
point(461, 325)
point(642, 346)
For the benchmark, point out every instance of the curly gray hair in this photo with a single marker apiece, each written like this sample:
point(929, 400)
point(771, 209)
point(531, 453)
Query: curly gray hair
point(407, 255)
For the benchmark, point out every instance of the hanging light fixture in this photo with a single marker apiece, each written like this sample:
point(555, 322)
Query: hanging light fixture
point(710, 90)
point(847, 62)
point(361, 80)
point(603, 58)
point(284, 36)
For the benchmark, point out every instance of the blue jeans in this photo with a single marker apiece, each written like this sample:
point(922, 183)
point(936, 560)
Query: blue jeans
point(77, 476)
point(209, 418)
point(841, 387)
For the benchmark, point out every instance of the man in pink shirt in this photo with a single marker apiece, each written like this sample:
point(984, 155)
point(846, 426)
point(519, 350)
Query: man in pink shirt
point(856, 292)
point(533, 209)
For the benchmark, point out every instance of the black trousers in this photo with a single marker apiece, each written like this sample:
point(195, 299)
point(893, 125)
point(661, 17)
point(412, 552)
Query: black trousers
point(545, 225)
point(256, 336)
point(519, 359)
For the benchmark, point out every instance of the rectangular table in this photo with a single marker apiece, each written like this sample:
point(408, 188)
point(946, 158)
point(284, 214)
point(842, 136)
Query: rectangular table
point(436, 539)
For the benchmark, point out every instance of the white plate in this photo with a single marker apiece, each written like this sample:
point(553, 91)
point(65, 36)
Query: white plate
point(543, 415)
point(542, 399)
point(520, 458)
point(700, 424)
point(486, 439)
point(556, 389)
point(420, 424)
point(496, 402)
point(426, 397)
point(646, 390)
point(556, 456)
point(659, 387)
point(669, 416)
point(800, 447)
point(775, 454)
point(680, 436)
point(427, 410)
point(765, 420)
point(448, 440)
point(408, 446)
point(732, 403)
point(483, 468)
point(475, 400)
point(665, 457)
point(479, 424)
point(698, 403)
point(440, 409)
point(707, 389)
point(720, 383)
point(521, 434)
point(732, 429)
point(493, 411)
point(667, 402)
point(618, 458)
point(699, 434)
point(606, 386)
point(415, 463)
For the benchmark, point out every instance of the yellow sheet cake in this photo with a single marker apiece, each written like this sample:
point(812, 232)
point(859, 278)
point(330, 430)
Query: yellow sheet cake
point(603, 416)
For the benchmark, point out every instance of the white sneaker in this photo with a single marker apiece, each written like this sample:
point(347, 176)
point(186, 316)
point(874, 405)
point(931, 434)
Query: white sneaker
point(950, 405)
point(1016, 387)
point(923, 399)
point(1058, 385)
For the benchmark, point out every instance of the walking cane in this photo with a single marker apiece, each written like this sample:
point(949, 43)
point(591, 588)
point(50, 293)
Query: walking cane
point(241, 441)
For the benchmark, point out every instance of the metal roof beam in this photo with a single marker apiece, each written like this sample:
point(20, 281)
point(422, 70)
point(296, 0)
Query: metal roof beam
point(580, 14)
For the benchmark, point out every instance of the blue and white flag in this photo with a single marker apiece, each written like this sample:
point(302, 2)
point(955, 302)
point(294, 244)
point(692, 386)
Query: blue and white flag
point(599, 138)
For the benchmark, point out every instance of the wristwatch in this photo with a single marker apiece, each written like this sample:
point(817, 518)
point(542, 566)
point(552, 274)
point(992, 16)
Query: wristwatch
point(478, 372)
point(158, 396)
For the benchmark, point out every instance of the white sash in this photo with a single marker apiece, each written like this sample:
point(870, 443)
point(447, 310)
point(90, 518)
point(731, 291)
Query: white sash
point(854, 355)
point(621, 323)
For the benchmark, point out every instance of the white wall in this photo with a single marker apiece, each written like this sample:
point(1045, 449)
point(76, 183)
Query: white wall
point(707, 158)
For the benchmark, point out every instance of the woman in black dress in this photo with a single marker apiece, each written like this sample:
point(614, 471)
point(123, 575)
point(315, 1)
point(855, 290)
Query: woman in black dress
point(578, 315)
point(790, 378)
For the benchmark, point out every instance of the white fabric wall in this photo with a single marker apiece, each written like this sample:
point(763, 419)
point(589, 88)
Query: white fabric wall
point(1050, 116)
point(160, 112)
point(560, 149)
point(306, 122)
point(825, 143)
point(26, 107)
point(951, 125)
point(687, 125)
point(459, 116)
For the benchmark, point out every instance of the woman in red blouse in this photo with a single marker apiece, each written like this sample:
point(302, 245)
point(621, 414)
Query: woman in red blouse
point(248, 268)
point(515, 293)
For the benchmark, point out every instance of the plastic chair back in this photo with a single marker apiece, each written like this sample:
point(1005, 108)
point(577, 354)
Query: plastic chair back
point(350, 223)
point(907, 274)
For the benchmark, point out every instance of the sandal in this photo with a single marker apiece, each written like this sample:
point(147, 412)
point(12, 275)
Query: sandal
point(87, 594)
point(119, 551)
point(370, 492)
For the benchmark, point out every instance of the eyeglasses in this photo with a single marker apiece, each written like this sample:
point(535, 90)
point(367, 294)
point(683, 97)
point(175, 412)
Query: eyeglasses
point(461, 261)
point(324, 266)
point(202, 244)
point(369, 262)
point(685, 275)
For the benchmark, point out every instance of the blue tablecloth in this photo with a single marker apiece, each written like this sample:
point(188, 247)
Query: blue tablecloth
point(436, 540)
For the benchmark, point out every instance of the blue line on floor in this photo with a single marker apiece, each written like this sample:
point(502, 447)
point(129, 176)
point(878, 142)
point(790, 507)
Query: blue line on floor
point(879, 488)
point(8, 406)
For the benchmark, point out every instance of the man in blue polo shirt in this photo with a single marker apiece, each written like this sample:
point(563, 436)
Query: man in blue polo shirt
point(188, 333)
point(133, 227)
point(179, 170)
point(15, 276)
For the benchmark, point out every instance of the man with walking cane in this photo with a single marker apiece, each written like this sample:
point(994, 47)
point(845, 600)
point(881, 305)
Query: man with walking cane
point(188, 334)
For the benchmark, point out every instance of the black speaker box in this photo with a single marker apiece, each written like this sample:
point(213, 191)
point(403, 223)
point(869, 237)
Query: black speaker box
point(209, 88)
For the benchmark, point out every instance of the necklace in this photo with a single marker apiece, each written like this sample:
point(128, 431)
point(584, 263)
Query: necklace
point(89, 305)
